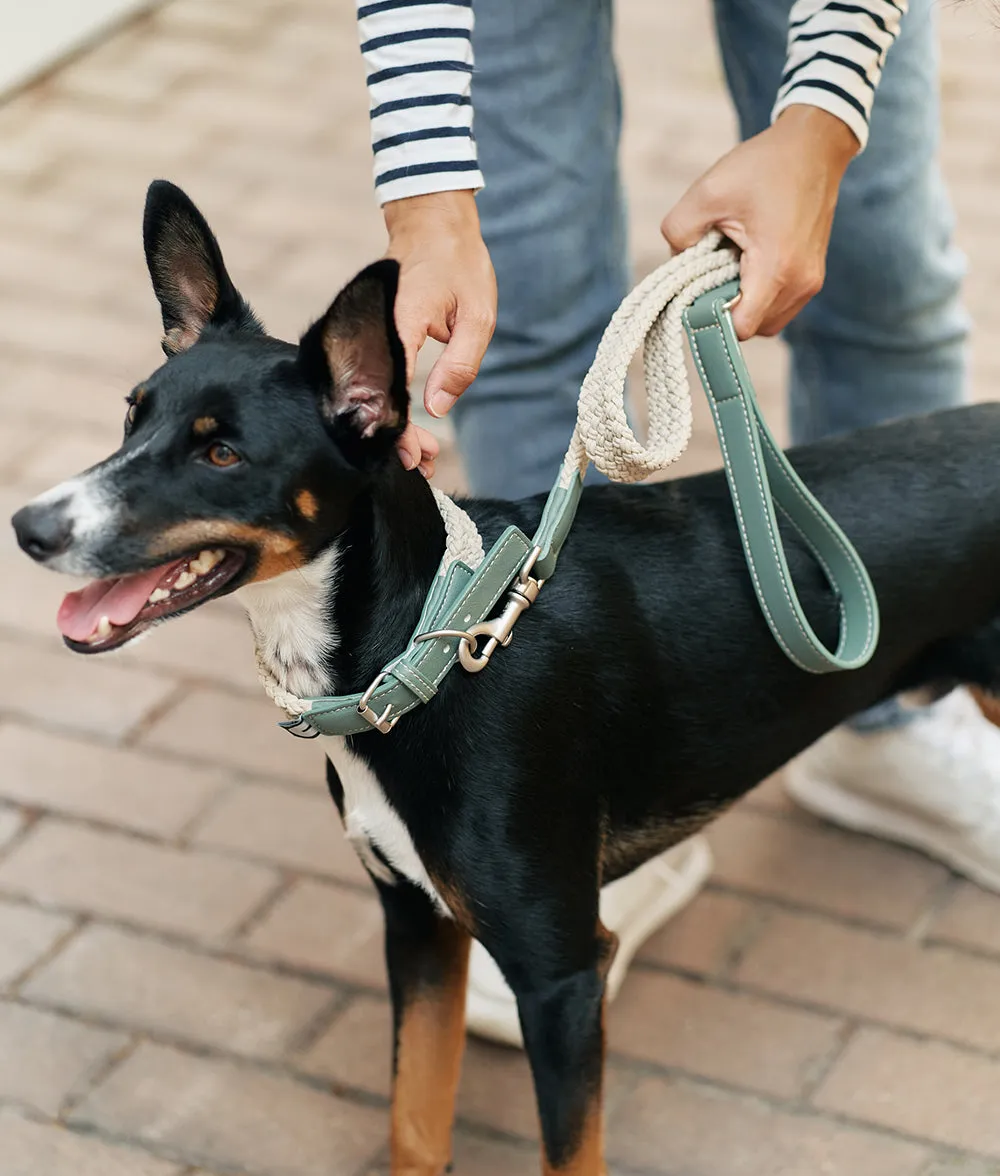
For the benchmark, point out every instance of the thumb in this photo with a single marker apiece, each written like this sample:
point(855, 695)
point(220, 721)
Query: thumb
point(458, 365)
point(689, 219)
point(759, 288)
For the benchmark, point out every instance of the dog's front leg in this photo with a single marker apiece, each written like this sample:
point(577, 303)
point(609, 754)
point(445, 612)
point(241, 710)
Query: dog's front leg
point(561, 1006)
point(427, 957)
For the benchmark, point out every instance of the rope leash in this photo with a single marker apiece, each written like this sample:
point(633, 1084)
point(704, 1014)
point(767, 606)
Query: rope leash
point(692, 293)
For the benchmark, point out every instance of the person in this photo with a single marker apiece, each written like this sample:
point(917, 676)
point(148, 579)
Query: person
point(834, 196)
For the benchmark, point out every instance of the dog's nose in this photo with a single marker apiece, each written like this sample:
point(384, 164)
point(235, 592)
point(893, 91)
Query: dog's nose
point(42, 531)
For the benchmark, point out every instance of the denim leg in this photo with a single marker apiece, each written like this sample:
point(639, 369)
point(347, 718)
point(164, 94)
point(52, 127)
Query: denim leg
point(886, 335)
point(548, 116)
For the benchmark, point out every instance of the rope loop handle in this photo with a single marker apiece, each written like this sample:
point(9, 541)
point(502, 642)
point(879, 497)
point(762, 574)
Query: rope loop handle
point(650, 317)
point(691, 295)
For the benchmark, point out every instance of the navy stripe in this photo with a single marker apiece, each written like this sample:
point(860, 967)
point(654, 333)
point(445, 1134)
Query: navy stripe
point(398, 71)
point(821, 56)
point(389, 5)
point(819, 84)
point(422, 100)
point(417, 136)
point(415, 35)
point(859, 37)
point(834, 6)
point(426, 169)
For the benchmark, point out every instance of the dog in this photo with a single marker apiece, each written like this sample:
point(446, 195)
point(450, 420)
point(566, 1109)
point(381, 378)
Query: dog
point(643, 693)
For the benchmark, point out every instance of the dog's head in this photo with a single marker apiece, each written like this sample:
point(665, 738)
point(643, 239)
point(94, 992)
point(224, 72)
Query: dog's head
point(242, 454)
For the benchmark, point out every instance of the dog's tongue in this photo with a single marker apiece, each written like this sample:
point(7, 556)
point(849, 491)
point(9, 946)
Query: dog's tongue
point(119, 600)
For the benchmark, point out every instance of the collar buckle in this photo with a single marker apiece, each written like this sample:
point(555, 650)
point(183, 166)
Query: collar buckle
point(381, 722)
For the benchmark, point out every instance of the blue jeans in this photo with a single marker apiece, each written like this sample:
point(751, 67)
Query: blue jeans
point(884, 338)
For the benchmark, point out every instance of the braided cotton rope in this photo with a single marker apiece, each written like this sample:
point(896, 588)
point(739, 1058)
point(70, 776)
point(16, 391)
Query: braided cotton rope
point(462, 541)
point(650, 315)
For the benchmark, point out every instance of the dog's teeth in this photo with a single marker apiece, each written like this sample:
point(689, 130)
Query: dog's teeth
point(157, 595)
point(103, 628)
point(184, 580)
point(205, 562)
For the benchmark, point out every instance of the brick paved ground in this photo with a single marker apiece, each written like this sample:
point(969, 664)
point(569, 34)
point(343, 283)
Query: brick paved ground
point(189, 957)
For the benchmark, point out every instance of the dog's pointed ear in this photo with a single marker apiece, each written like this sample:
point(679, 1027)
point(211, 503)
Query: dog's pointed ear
point(189, 276)
point(354, 358)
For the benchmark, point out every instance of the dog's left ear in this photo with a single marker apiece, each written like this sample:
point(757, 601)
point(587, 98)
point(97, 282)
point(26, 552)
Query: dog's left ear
point(189, 277)
point(353, 356)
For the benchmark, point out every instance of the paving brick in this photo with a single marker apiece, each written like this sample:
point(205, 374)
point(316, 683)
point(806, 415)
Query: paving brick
point(489, 1157)
point(76, 334)
point(931, 990)
point(25, 936)
point(324, 929)
point(356, 1049)
point(212, 645)
point(43, 1056)
point(73, 691)
point(704, 936)
point(37, 389)
point(671, 1126)
point(140, 983)
point(184, 892)
point(16, 440)
point(215, 1113)
point(922, 1088)
point(47, 1149)
point(65, 457)
point(10, 824)
point(207, 19)
point(971, 918)
point(298, 830)
point(730, 1037)
point(825, 868)
point(497, 1091)
point(121, 787)
point(239, 733)
point(960, 1166)
point(35, 264)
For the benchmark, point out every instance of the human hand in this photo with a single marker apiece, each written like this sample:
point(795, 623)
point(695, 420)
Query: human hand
point(774, 196)
point(447, 291)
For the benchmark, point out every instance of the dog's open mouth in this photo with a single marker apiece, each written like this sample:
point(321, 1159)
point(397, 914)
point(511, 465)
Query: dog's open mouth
point(107, 613)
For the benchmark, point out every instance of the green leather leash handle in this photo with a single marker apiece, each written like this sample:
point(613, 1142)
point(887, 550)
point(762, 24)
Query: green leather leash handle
point(760, 477)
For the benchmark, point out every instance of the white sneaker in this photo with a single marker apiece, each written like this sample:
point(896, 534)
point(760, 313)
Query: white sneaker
point(633, 907)
point(933, 784)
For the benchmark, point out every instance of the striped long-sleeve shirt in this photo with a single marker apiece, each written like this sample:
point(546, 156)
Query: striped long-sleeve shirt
point(418, 55)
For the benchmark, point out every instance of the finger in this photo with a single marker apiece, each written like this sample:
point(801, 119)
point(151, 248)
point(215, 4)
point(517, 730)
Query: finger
point(429, 445)
point(689, 219)
point(408, 447)
point(413, 335)
point(457, 365)
point(427, 468)
point(794, 297)
point(761, 286)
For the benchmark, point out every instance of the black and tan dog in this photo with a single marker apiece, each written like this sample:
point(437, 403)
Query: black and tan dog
point(641, 695)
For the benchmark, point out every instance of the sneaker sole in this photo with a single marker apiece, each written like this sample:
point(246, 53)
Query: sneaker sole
point(843, 807)
point(495, 1019)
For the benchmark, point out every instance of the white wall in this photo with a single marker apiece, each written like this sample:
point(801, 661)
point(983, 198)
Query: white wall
point(36, 34)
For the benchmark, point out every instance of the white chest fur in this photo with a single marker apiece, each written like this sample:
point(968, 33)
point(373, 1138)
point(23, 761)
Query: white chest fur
point(370, 820)
point(294, 635)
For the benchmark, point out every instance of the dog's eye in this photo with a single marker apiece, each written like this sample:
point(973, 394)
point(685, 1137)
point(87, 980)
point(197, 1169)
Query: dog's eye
point(130, 416)
point(219, 454)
